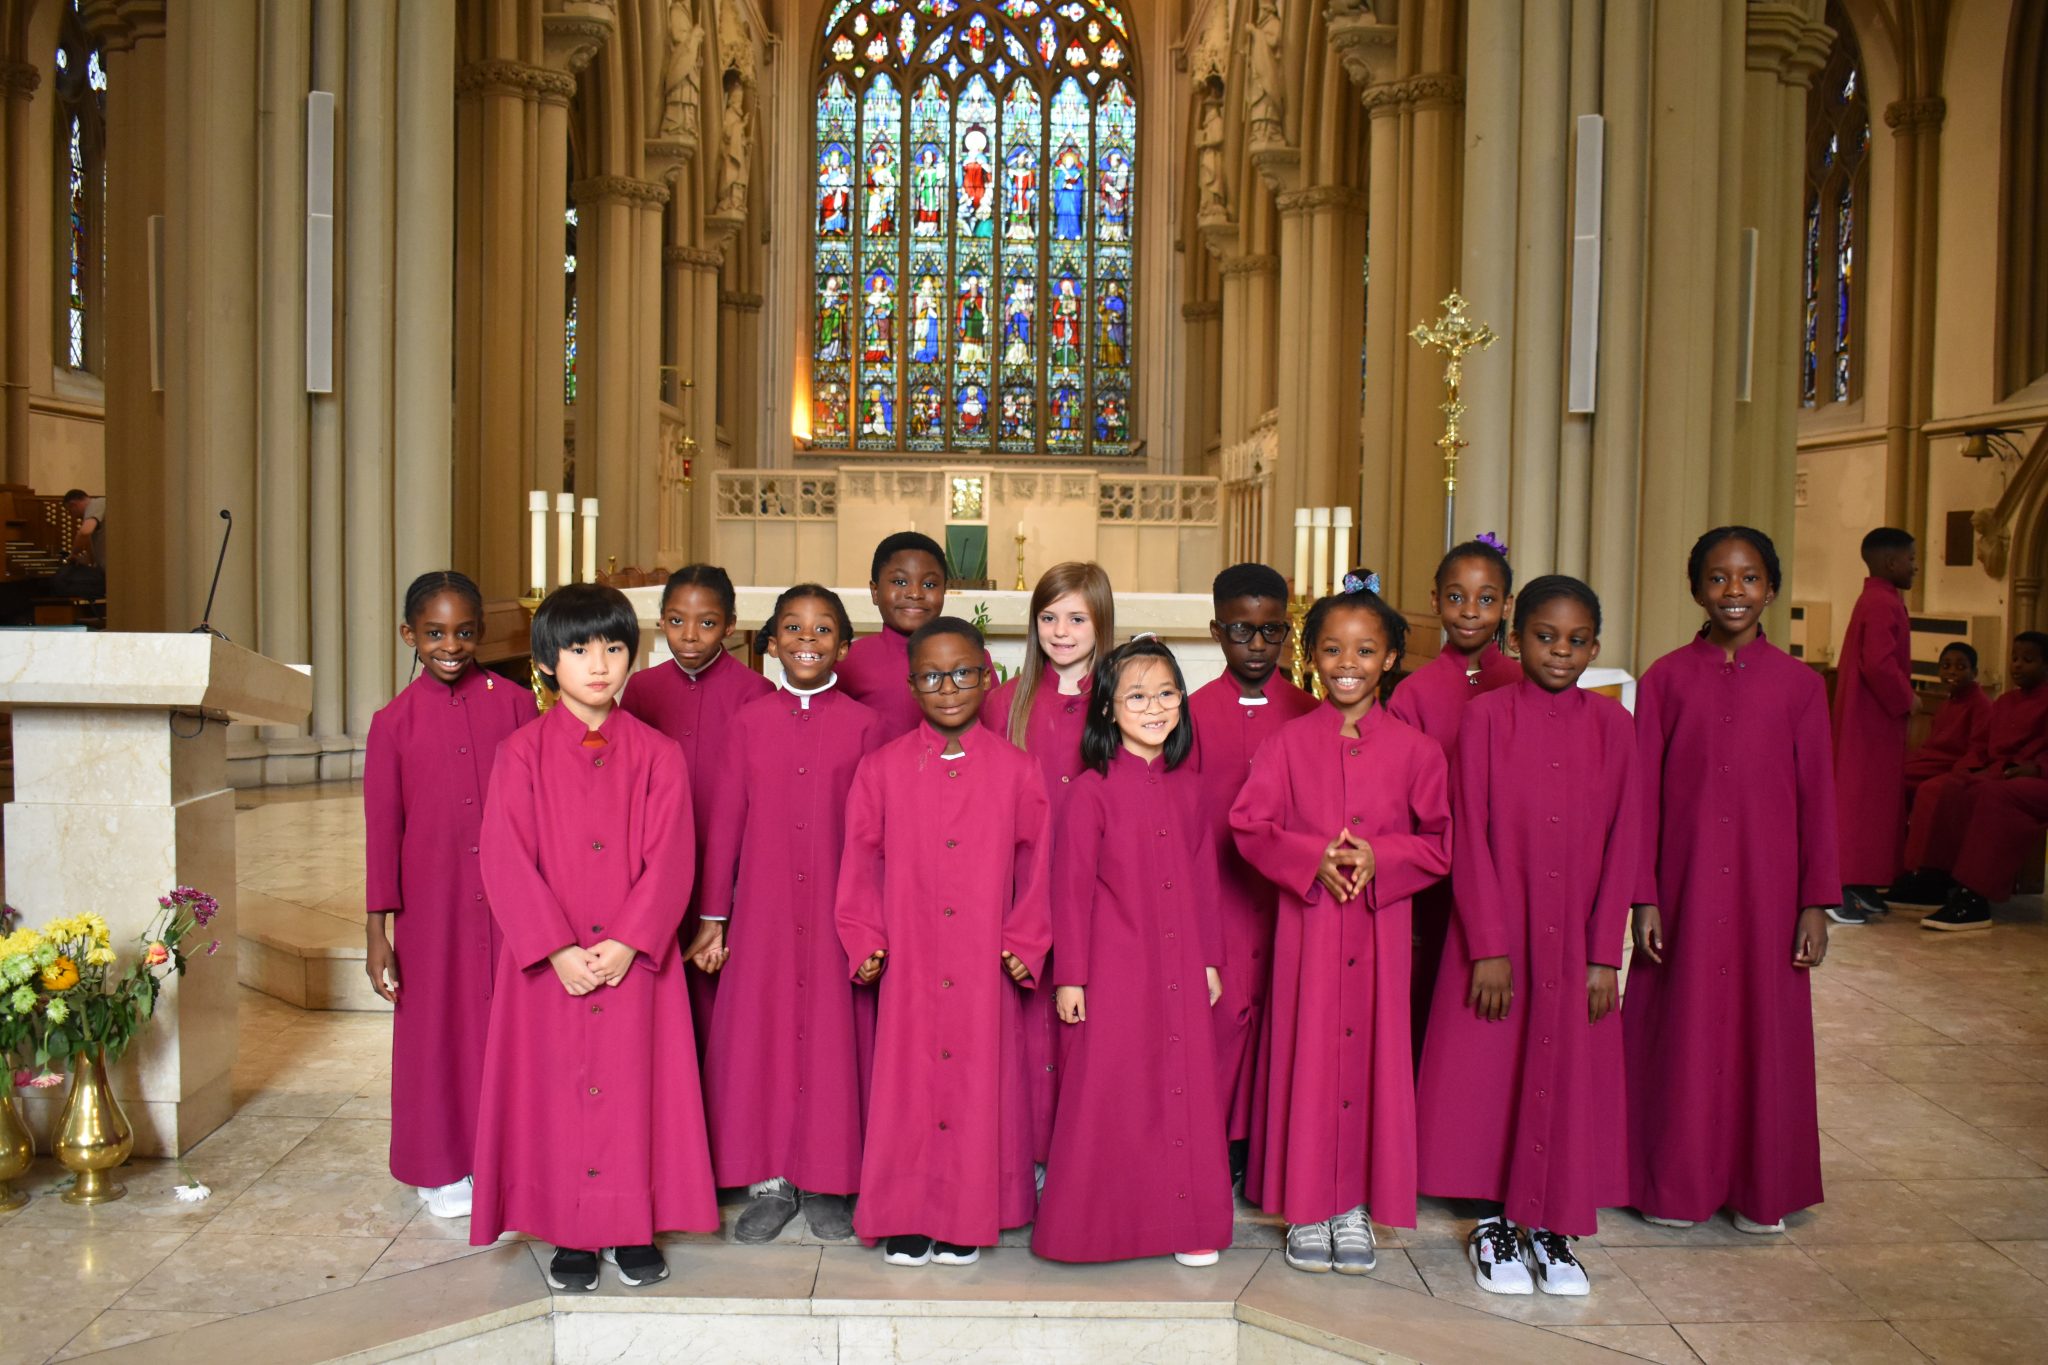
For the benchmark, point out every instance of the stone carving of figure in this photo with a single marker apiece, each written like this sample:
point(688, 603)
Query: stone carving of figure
point(732, 170)
point(1209, 159)
point(1262, 89)
point(679, 74)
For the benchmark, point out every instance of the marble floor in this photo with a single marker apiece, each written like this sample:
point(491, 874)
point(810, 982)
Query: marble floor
point(1933, 1243)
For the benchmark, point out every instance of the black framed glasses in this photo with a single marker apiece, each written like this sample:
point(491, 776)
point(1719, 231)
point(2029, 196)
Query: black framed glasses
point(1273, 632)
point(965, 679)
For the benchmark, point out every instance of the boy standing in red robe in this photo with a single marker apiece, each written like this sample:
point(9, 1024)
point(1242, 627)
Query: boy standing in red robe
point(907, 582)
point(942, 899)
point(1873, 703)
point(591, 1128)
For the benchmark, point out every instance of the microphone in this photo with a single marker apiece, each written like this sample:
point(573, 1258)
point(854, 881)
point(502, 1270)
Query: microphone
point(205, 626)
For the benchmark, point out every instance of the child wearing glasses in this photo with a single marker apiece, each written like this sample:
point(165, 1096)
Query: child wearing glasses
point(1139, 1166)
point(943, 907)
point(1233, 716)
point(1346, 812)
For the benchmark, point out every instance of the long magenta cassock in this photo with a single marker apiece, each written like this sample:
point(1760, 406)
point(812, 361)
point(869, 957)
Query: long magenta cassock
point(1228, 731)
point(785, 1072)
point(1139, 1162)
point(945, 868)
point(425, 776)
point(1053, 739)
point(1530, 1110)
point(696, 714)
point(592, 1125)
point(1433, 699)
point(1336, 1128)
point(2001, 822)
point(1739, 836)
point(1873, 704)
point(876, 673)
point(1958, 724)
point(2015, 731)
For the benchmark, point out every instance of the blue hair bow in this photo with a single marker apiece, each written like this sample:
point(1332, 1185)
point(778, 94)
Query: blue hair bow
point(1370, 583)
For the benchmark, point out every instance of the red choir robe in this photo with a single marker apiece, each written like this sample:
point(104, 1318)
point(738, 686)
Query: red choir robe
point(1873, 703)
point(2015, 731)
point(1739, 836)
point(2002, 824)
point(1140, 1165)
point(1052, 737)
point(786, 1068)
point(1433, 699)
point(945, 868)
point(1957, 724)
point(876, 673)
point(1228, 731)
point(1336, 1127)
point(425, 776)
point(1529, 1110)
point(591, 1130)
point(696, 714)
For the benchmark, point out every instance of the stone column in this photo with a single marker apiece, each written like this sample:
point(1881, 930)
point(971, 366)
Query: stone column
point(1202, 408)
point(1431, 225)
point(693, 278)
point(1320, 304)
point(642, 522)
point(1386, 345)
point(18, 81)
point(1916, 167)
point(550, 317)
point(1544, 257)
point(1492, 193)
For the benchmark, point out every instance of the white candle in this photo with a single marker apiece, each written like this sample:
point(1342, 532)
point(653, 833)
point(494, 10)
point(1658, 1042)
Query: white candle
point(537, 509)
point(1340, 522)
point(590, 540)
point(1319, 552)
point(1020, 528)
point(565, 538)
point(1302, 586)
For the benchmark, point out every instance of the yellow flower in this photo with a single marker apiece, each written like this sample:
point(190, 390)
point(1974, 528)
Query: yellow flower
point(60, 975)
point(100, 957)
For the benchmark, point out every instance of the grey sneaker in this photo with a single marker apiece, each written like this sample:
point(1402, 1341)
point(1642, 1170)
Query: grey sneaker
point(1352, 1235)
point(1309, 1247)
point(767, 1214)
point(830, 1215)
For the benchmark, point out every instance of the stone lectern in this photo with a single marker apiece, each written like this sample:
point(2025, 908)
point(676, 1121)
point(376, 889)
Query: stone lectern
point(120, 794)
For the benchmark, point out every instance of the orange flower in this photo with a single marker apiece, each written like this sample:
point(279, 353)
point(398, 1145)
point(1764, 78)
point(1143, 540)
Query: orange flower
point(156, 955)
point(60, 975)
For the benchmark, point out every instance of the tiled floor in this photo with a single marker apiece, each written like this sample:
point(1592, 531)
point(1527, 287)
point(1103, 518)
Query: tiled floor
point(1933, 1243)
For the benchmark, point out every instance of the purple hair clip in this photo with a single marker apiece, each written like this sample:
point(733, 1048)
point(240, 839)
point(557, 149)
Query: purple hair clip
point(1370, 583)
point(1489, 538)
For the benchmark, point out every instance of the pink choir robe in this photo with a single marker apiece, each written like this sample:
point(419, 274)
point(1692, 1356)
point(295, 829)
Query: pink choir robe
point(1053, 738)
point(425, 778)
point(1739, 836)
point(1433, 699)
point(1228, 731)
point(945, 869)
point(1957, 725)
point(876, 673)
point(591, 1132)
point(1873, 705)
point(1140, 1165)
point(2015, 731)
point(1336, 1128)
point(2002, 826)
point(1529, 1110)
point(696, 714)
point(786, 1068)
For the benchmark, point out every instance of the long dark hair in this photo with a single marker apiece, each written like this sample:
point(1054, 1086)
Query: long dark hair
point(1100, 737)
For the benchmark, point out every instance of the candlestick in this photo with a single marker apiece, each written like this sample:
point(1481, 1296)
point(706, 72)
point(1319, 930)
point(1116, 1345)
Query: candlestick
point(1302, 586)
point(1319, 552)
point(537, 513)
point(1340, 561)
point(565, 538)
point(590, 540)
point(1021, 585)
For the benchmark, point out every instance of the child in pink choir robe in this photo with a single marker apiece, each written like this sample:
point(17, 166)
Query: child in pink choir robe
point(942, 899)
point(1873, 705)
point(1232, 716)
point(907, 582)
point(692, 698)
point(1739, 864)
point(1043, 710)
point(1973, 828)
point(1958, 724)
point(1474, 590)
point(591, 1130)
point(1346, 813)
point(1139, 1162)
point(1519, 1103)
point(424, 780)
point(785, 1071)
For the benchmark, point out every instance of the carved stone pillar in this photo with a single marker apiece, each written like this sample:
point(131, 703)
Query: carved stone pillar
point(1321, 249)
point(1916, 172)
point(18, 81)
point(694, 279)
point(1202, 420)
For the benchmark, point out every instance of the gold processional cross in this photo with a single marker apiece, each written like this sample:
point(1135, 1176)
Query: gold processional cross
point(1454, 334)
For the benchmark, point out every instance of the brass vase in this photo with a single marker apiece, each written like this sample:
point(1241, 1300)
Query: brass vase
point(17, 1150)
point(93, 1137)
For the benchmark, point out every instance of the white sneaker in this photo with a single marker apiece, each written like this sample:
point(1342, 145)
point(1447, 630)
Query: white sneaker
point(1667, 1222)
point(1496, 1255)
point(451, 1201)
point(1197, 1258)
point(1754, 1228)
point(1557, 1270)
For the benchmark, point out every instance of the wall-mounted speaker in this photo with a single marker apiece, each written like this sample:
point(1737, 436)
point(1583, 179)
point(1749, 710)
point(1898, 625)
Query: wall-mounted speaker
point(320, 242)
point(1590, 165)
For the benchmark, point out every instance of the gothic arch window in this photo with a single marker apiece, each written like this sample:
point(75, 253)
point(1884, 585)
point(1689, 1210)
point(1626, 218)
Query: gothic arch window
point(2023, 248)
point(1837, 206)
point(976, 162)
point(81, 167)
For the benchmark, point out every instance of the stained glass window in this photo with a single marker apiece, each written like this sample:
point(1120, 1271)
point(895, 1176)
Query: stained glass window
point(81, 107)
point(1837, 185)
point(973, 239)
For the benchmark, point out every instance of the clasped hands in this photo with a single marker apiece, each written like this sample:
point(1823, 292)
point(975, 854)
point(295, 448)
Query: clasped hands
point(1013, 967)
point(583, 970)
point(1347, 866)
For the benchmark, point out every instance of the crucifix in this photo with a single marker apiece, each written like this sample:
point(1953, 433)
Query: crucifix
point(1454, 334)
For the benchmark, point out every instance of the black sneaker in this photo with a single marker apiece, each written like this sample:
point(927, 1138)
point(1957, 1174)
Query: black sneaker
point(638, 1266)
point(952, 1253)
point(1867, 900)
point(1848, 912)
point(766, 1214)
point(573, 1271)
point(906, 1250)
point(1923, 887)
point(1965, 910)
point(830, 1216)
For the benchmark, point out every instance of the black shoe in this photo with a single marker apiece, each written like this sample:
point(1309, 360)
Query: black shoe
point(1867, 900)
point(830, 1216)
point(1923, 887)
point(1965, 910)
point(766, 1215)
point(573, 1271)
point(906, 1250)
point(1848, 912)
point(638, 1266)
point(952, 1253)
point(1240, 1162)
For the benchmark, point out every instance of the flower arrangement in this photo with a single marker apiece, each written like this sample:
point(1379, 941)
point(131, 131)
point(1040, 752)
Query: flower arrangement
point(981, 623)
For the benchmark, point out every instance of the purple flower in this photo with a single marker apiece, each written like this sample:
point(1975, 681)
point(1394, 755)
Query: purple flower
point(23, 1077)
point(213, 948)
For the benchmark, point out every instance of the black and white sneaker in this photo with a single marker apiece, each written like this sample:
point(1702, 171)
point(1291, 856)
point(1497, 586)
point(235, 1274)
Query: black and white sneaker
point(1351, 1246)
point(1848, 912)
point(907, 1249)
point(1496, 1255)
point(1557, 1270)
point(1867, 899)
point(638, 1266)
point(952, 1253)
point(573, 1271)
point(1965, 910)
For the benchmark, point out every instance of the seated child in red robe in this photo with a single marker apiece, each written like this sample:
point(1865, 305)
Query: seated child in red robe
point(1958, 724)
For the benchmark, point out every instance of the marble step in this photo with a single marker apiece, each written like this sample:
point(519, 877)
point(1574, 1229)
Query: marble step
point(303, 957)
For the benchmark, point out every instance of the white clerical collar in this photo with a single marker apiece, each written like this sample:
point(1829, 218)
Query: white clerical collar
point(1243, 700)
point(693, 674)
point(804, 694)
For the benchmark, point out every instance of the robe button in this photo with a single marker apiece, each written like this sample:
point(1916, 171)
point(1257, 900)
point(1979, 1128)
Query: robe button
point(1178, 1143)
point(1347, 1033)
point(1724, 767)
point(598, 762)
point(593, 1090)
point(686, 734)
point(1556, 764)
point(799, 876)
point(942, 1125)
point(463, 750)
point(1169, 886)
point(1724, 819)
point(1543, 1094)
point(595, 928)
point(1351, 962)
point(1358, 819)
point(799, 824)
point(945, 1055)
point(1176, 1090)
point(598, 846)
point(469, 800)
point(478, 896)
point(948, 912)
point(952, 772)
point(1725, 720)
point(1724, 871)
point(592, 1173)
point(947, 983)
point(1173, 985)
point(1546, 1042)
point(1173, 1038)
point(800, 983)
point(472, 848)
point(1554, 874)
point(1050, 1067)
point(597, 1009)
point(1354, 753)
point(1162, 834)
point(954, 843)
point(1555, 818)
point(801, 771)
point(1065, 778)
point(1255, 954)
point(1347, 1104)
point(1539, 1146)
